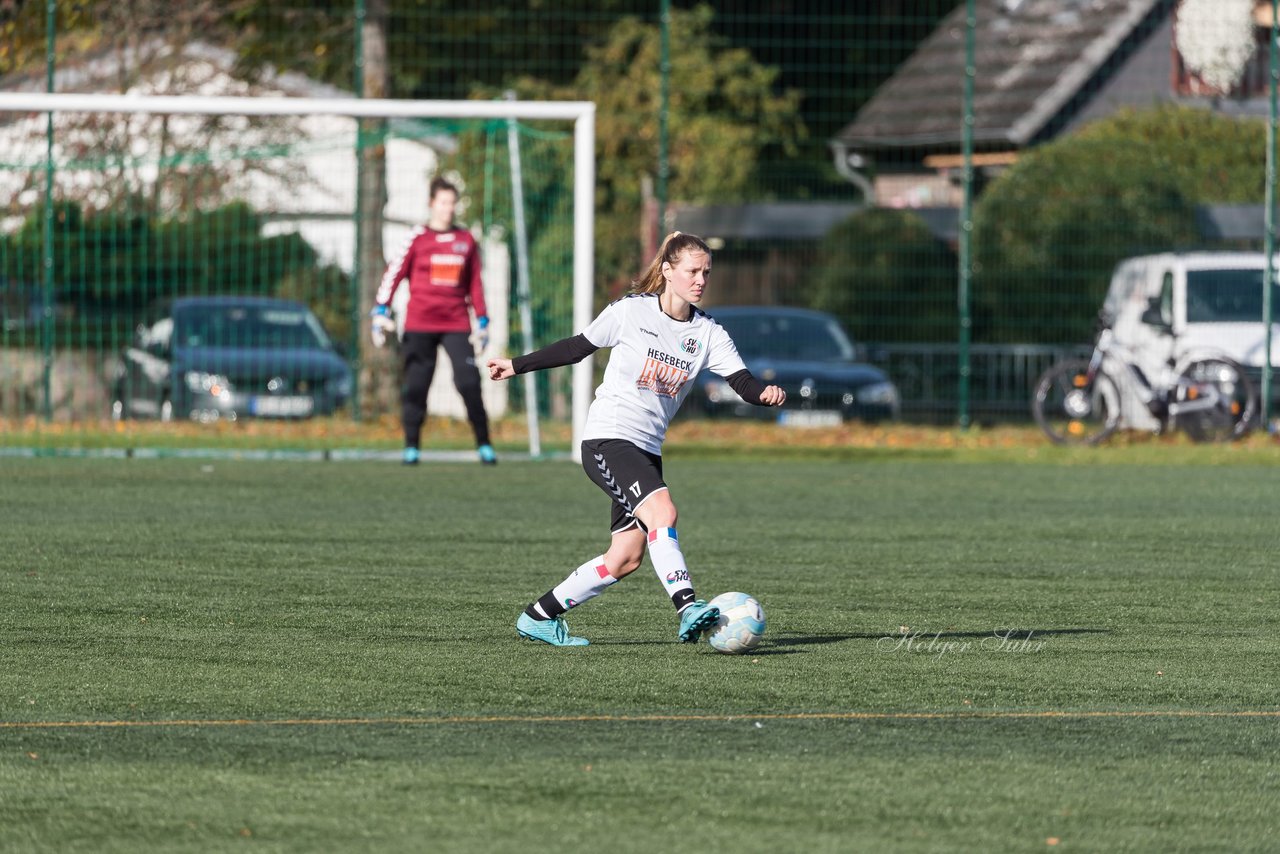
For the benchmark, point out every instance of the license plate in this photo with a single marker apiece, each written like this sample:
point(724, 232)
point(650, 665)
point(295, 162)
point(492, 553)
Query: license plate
point(810, 418)
point(281, 407)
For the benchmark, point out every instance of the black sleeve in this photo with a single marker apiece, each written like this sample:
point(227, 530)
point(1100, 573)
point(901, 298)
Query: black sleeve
point(747, 386)
point(566, 351)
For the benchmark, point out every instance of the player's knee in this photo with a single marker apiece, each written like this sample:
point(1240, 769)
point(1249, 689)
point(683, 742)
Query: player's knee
point(624, 560)
point(626, 552)
point(662, 514)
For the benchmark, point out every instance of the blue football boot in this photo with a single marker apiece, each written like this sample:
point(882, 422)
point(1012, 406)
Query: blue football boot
point(696, 619)
point(410, 456)
point(487, 456)
point(554, 632)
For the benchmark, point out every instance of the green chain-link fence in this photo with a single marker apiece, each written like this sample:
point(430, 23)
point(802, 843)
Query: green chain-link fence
point(820, 146)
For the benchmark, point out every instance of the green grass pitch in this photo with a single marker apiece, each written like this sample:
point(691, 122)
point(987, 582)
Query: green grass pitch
point(206, 655)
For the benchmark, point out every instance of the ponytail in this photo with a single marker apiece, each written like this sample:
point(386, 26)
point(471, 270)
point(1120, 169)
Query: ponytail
point(675, 245)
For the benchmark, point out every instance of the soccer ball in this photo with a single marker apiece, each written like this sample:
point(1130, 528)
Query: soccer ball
point(740, 625)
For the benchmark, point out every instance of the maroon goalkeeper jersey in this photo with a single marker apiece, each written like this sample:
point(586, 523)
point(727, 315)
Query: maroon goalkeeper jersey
point(443, 270)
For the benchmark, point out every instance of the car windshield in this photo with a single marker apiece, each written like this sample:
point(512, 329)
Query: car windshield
point(1227, 296)
point(272, 327)
point(787, 336)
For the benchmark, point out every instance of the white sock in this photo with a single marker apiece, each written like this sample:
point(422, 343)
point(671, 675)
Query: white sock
point(668, 562)
point(586, 582)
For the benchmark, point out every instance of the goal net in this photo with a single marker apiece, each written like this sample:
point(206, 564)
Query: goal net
point(124, 211)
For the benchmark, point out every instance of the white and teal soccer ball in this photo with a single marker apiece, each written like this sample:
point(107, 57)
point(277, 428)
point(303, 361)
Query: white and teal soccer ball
point(740, 625)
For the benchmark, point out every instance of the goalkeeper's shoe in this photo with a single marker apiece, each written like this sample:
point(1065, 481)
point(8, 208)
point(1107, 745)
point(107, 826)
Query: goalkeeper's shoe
point(487, 455)
point(696, 619)
point(410, 456)
point(554, 632)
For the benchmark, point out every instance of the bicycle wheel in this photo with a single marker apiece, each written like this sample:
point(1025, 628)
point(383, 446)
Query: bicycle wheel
point(1070, 409)
point(1235, 407)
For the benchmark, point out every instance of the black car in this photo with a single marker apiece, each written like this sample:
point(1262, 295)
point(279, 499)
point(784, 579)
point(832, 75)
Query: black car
point(223, 358)
point(811, 357)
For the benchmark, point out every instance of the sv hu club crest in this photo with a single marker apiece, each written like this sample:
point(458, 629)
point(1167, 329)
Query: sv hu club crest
point(691, 346)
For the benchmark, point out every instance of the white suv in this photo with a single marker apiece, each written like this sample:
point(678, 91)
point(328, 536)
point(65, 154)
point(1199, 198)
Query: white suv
point(1170, 306)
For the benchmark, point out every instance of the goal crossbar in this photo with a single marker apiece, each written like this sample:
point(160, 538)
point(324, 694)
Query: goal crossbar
point(581, 113)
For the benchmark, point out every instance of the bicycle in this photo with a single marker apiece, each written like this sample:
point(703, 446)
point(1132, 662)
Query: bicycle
point(1080, 402)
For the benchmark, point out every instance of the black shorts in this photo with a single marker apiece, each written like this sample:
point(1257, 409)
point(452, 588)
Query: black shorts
point(627, 474)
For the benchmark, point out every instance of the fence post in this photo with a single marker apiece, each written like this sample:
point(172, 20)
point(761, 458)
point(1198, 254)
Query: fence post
point(354, 362)
point(46, 321)
point(963, 296)
point(664, 89)
point(1268, 280)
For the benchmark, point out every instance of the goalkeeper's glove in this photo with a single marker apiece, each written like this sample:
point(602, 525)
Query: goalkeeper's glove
point(481, 337)
point(381, 324)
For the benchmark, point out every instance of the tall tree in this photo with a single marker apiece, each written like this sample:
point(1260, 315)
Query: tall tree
point(377, 375)
point(725, 108)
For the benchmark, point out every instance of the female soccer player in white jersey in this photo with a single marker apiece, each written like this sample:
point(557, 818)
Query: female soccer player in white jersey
point(660, 342)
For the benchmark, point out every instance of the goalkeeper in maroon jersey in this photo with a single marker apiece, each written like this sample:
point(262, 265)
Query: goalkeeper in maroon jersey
point(441, 263)
point(660, 340)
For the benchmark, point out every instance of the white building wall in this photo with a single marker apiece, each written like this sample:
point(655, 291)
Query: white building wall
point(313, 192)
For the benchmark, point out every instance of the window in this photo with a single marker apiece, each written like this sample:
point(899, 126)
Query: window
point(783, 336)
point(251, 326)
point(1227, 296)
point(1166, 299)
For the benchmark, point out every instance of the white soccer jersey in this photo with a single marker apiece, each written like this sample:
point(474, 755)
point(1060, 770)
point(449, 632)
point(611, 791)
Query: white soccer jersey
point(651, 369)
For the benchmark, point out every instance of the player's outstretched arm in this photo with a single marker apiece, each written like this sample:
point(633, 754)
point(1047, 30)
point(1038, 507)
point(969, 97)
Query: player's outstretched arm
point(567, 351)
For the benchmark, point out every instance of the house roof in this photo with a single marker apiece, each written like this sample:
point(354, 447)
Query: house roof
point(1036, 63)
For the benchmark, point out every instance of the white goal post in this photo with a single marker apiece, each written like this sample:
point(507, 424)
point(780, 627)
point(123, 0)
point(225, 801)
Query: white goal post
point(581, 113)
